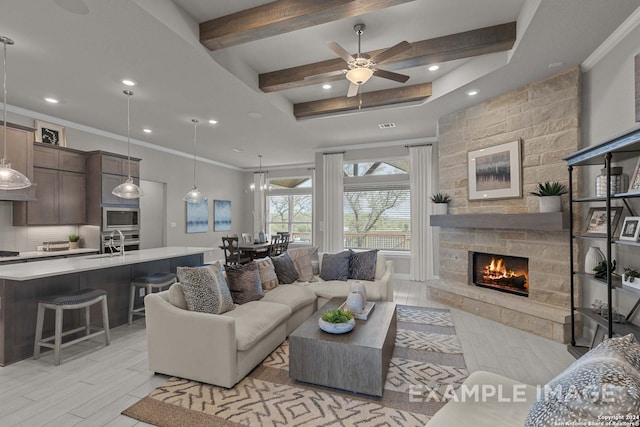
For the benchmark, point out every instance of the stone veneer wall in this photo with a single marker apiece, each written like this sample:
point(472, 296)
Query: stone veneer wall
point(545, 115)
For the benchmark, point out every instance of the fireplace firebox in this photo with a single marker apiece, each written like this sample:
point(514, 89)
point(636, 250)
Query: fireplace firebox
point(504, 273)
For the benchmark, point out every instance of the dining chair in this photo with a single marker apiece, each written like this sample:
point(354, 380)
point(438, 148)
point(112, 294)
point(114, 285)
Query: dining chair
point(232, 252)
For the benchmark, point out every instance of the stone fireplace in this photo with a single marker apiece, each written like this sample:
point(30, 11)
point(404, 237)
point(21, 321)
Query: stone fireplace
point(503, 273)
point(544, 116)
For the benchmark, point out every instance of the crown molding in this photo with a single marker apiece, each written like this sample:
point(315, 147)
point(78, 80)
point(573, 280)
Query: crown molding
point(612, 41)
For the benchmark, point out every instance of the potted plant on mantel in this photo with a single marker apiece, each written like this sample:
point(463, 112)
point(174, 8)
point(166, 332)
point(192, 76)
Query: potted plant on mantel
point(549, 194)
point(73, 241)
point(440, 203)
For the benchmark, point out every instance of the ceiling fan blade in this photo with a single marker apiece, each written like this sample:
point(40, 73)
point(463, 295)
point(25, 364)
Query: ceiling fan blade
point(353, 90)
point(385, 55)
point(323, 76)
point(391, 75)
point(340, 51)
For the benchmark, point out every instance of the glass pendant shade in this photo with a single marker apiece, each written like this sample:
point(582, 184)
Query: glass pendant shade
point(10, 179)
point(261, 181)
point(359, 75)
point(128, 189)
point(194, 196)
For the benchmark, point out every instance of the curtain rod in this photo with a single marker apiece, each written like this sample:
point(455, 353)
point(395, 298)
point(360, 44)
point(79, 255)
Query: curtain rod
point(419, 145)
point(334, 152)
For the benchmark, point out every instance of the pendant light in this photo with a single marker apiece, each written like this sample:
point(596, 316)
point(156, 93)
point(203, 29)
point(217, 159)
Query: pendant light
point(262, 184)
point(128, 190)
point(10, 179)
point(194, 196)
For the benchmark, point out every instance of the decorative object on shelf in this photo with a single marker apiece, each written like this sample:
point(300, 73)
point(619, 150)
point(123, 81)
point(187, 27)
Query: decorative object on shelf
point(596, 224)
point(634, 184)
point(592, 259)
point(619, 181)
point(549, 194)
point(222, 215)
point(10, 179)
point(48, 133)
point(631, 278)
point(355, 302)
point(630, 228)
point(495, 172)
point(360, 288)
point(198, 217)
point(440, 203)
point(600, 270)
point(74, 240)
point(336, 321)
point(194, 195)
point(128, 189)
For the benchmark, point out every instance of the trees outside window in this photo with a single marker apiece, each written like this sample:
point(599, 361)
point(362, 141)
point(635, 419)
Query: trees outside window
point(290, 208)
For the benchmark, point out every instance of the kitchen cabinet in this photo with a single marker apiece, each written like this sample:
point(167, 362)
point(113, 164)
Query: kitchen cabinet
point(59, 175)
point(20, 155)
point(603, 155)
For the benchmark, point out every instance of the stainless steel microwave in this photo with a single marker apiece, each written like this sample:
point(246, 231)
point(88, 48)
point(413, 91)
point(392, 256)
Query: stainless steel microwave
point(124, 219)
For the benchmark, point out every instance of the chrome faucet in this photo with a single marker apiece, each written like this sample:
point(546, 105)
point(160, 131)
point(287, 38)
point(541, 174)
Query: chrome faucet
point(113, 248)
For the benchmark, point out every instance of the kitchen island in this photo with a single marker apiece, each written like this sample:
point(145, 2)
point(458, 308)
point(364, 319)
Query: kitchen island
point(21, 285)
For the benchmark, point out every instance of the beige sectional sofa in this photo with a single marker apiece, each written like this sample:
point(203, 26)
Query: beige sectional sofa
point(222, 349)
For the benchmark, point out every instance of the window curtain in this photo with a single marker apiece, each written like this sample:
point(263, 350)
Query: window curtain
point(421, 264)
point(259, 203)
point(333, 185)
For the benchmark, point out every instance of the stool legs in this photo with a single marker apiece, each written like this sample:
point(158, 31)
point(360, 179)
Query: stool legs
point(39, 323)
point(132, 297)
point(58, 336)
point(105, 321)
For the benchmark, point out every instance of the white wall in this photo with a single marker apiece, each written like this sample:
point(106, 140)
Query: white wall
point(608, 111)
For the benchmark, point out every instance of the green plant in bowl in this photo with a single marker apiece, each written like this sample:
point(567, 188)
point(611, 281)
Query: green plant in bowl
point(336, 316)
point(74, 238)
point(554, 188)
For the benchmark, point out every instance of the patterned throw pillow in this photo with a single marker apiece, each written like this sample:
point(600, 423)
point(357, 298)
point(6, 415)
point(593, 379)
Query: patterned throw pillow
point(301, 258)
point(603, 382)
point(362, 265)
point(285, 270)
point(267, 274)
point(203, 291)
point(244, 282)
point(335, 266)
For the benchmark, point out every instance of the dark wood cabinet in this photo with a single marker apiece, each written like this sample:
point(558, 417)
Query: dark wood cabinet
point(45, 210)
point(20, 154)
point(71, 201)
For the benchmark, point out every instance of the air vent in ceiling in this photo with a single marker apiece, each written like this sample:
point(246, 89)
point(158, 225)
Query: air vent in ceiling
point(386, 125)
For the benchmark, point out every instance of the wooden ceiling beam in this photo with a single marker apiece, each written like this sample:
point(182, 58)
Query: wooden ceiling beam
point(441, 49)
point(369, 99)
point(282, 16)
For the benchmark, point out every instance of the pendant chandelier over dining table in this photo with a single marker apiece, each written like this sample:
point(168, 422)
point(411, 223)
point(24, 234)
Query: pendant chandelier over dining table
point(195, 195)
point(128, 189)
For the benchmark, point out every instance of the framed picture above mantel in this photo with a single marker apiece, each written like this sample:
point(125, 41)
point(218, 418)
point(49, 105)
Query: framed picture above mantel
point(495, 172)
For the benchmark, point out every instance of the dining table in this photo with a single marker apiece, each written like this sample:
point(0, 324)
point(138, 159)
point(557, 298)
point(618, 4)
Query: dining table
point(255, 250)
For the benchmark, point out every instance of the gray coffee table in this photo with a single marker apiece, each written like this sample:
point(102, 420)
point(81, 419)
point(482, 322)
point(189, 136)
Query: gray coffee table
point(356, 361)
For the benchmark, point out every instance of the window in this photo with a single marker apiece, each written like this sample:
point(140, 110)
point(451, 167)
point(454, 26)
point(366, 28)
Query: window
point(290, 207)
point(377, 205)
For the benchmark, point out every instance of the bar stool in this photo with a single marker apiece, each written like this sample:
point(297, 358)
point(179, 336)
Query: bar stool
point(82, 298)
point(152, 282)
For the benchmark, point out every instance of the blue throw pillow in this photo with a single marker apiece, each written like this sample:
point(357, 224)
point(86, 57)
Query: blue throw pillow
point(335, 266)
point(362, 265)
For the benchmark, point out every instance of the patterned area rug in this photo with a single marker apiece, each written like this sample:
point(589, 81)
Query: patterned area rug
point(427, 360)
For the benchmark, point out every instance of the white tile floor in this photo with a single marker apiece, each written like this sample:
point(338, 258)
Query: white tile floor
point(95, 383)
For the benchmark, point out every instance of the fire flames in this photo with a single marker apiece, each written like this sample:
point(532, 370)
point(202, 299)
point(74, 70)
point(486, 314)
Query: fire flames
point(497, 272)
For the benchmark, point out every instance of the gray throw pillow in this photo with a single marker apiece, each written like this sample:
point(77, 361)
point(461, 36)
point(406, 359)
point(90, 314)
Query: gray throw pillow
point(285, 269)
point(603, 382)
point(335, 266)
point(362, 265)
point(244, 282)
point(267, 274)
point(203, 291)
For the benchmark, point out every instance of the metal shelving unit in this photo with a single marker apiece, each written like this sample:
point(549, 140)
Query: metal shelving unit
point(621, 148)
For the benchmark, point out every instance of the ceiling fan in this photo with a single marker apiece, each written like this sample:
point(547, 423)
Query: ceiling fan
point(362, 67)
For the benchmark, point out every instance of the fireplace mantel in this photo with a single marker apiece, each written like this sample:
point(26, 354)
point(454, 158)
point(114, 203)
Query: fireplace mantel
point(553, 221)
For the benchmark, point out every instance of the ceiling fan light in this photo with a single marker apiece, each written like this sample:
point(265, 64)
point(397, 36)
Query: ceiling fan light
point(359, 75)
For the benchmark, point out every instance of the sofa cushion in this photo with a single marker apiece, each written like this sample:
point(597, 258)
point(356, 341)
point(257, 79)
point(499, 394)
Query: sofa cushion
point(603, 382)
point(285, 269)
point(267, 272)
point(293, 296)
point(255, 319)
point(337, 288)
point(380, 266)
point(244, 282)
point(176, 296)
point(204, 291)
point(335, 266)
point(301, 258)
point(362, 265)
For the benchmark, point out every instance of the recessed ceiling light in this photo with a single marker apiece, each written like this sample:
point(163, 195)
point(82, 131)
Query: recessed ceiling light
point(473, 92)
point(254, 115)
point(146, 130)
point(326, 86)
point(51, 100)
point(213, 122)
point(239, 150)
point(556, 64)
point(434, 68)
point(128, 82)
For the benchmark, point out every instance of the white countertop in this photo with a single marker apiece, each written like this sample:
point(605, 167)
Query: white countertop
point(46, 254)
point(56, 267)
